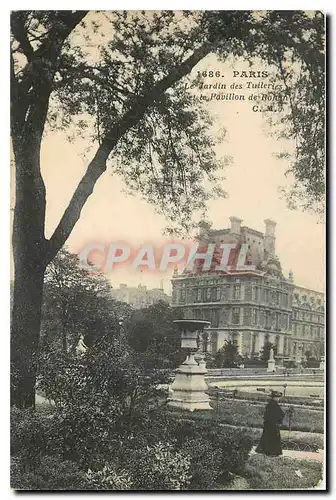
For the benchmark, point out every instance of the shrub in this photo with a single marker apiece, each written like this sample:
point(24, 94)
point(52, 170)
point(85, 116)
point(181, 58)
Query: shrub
point(108, 479)
point(215, 452)
point(50, 474)
point(28, 439)
point(160, 467)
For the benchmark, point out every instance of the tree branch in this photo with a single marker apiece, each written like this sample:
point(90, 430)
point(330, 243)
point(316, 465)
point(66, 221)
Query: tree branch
point(98, 165)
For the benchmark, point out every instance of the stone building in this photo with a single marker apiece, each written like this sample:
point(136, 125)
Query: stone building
point(139, 296)
point(251, 307)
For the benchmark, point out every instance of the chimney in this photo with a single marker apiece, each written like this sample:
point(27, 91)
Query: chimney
point(270, 236)
point(203, 231)
point(235, 225)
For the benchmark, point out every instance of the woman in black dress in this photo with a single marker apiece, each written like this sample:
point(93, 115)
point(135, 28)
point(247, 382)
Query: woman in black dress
point(270, 442)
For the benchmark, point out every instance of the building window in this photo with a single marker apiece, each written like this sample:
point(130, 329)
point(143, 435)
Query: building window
point(295, 327)
point(247, 316)
point(214, 343)
point(285, 300)
point(236, 315)
point(262, 295)
point(256, 293)
point(218, 293)
point(278, 321)
point(236, 291)
point(268, 319)
point(214, 318)
point(208, 295)
point(254, 343)
point(199, 294)
point(267, 295)
point(262, 319)
point(198, 313)
point(255, 317)
point(223, 293)
point(248, 291)
point(206, 314)
point(235, 337)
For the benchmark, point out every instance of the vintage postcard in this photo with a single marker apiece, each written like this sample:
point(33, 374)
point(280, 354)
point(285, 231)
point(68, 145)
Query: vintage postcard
point(168, 250)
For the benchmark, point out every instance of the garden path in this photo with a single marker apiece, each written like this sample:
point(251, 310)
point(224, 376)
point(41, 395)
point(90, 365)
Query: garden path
point(300, 455)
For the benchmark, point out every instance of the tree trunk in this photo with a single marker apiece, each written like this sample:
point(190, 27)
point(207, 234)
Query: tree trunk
point(29, 250)
point(25, 331)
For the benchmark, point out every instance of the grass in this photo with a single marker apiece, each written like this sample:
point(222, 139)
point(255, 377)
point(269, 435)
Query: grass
point(263, 398)
point(272, 473)
point(245, 414)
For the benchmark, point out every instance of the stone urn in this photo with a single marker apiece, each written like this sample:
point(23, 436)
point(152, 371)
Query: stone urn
point(188, 391)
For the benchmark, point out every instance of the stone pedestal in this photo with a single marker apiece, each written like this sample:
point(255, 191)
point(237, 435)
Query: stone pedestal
point(271, 362)
point(271, 365)
point(189, 386)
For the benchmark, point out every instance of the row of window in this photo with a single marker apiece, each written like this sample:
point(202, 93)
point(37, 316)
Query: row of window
point(303, 299)
point(314, 332)
point(222, 293)
point(308, 316)
point(248, 317)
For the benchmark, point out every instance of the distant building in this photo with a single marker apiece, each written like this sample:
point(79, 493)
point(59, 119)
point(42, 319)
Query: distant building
point(139, 296)
point(252, 307)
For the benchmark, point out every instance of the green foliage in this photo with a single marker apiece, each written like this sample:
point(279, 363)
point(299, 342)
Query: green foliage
point(76, 302)
point(108, 479)
point(227, 356)
point(152, 333)
point(50, 474)
point(216, 453)
point(292, 43)
point(265, 351)
point(160, 467)
point(98, 396)
point(28, 440)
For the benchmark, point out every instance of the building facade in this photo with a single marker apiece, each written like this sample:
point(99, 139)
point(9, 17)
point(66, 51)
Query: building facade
point(252, 307)
point(139, 296)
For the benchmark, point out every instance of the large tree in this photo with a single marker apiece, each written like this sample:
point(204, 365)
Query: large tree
point(117, 77)
point(77, 302)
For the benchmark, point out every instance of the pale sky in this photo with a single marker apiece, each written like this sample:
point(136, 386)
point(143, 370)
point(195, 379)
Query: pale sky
point(252, 182)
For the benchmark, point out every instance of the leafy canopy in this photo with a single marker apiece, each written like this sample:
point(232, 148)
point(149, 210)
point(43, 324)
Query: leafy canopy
point(128, 69)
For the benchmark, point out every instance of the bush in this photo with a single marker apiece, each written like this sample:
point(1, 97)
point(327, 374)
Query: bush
point(108, 479)
point(216, 453)
point(50, 474)
point(28, 437)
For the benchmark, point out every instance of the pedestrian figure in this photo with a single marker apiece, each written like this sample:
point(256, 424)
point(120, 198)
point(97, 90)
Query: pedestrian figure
point(270, 442)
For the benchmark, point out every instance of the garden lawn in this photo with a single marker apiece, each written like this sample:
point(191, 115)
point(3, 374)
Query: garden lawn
point(302, 440)
point(243, 413)
point(272, 473)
